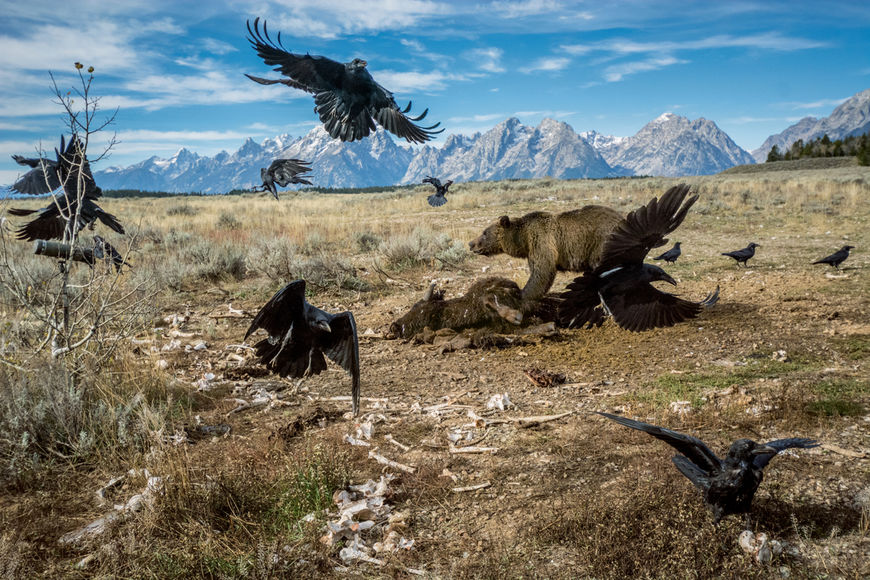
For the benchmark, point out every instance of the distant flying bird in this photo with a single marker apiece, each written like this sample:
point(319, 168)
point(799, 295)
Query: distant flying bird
point(438, 198)
point(728, 485)
point(837, 257)
point(621, 284)
point(671, 255)
point(300, 334)
point(742, 255)
point(74, 175)
point(283, 172)
point(346, 97)
point(103, 250)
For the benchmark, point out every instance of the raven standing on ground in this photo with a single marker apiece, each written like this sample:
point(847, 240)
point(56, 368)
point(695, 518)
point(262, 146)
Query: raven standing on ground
point(346, 97)
point(73, 174)
point(283, 172)
point(837, 257)
point(300, 334)
point(438, 198)
point(621, 284)
point(671, 255)
point(742, 255)
point(728, 485)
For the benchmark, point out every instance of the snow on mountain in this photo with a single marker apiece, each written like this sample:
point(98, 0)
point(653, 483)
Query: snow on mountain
point(852, 117)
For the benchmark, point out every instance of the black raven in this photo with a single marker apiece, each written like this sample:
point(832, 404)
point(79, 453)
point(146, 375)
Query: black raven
point(836, 258)
point(283, 172)
point(74, 175)
point(103, 250)
point(438, 198)
point(300, 334)
point(41, 179)
point(729, 484)
point(671, 255)
point(346, 97)
point(742, 255)
point(621, 284)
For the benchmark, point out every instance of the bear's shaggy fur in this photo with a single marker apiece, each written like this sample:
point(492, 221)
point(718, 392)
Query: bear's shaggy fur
point(493, 303)
point(571, 241)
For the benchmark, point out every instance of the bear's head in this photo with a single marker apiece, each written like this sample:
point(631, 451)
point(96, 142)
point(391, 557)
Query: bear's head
point(489, 243)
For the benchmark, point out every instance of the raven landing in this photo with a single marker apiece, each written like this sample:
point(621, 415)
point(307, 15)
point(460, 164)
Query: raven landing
point(301, 334)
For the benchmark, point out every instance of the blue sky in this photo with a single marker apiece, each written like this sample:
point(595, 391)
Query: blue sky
point(174, 69)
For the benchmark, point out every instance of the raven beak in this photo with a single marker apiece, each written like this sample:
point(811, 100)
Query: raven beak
point(324, 326)
point(763, 449)
point(364, 63)
point(669, 280)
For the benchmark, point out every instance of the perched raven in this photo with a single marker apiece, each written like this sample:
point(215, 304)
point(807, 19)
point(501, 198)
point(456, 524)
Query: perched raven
point(742, 255)
point(74, 175)
point(729, 484)
point(438, 198)
point(621, 284)
point(300, 334)
point(283, 172)
point(346, 97)
point(103, 250)
point(671, 255)
point(836, 258)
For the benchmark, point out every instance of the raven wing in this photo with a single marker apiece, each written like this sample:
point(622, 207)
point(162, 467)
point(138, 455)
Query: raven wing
point(645, 228)
point(283, 310)
point(309, 73)
point(644, 306)
point(41, 179)
point(581, 303)
point(694, 449)
point(342, 347)
point(433, 180)
point(780, 445)
point(284, 171)
point(387, 113)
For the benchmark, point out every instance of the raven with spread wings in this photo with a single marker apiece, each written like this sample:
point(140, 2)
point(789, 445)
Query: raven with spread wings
point(621, 284)
point(72, 172)
point(728, 485)
point(346, 97)
point(283, 172)
point(301, 334)
point(438, 198)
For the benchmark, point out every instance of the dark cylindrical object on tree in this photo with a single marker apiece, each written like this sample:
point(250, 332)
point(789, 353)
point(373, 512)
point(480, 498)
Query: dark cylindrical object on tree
point(61, 250)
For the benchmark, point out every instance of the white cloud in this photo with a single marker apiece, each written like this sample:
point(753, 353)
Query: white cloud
point(413, 81)
point(553, 63)
point(216, 46)
point(478, 118)
point(617, 72)
point(767, 41)
point(525, 8)
point(487, 59)
point(823, 103)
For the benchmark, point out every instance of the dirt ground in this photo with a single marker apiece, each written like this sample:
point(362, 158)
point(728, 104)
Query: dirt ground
point(785, 353)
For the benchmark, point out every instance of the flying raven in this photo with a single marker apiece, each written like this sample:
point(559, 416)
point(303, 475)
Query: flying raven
point(728, 485)
point(621, 284)
point(836, 258)
point(346, 97)
point(743, 255)
point(438, 198)
point(300, 334)
point(73, 172)
point(41, 179)
point(671, 255)
point(283, 172)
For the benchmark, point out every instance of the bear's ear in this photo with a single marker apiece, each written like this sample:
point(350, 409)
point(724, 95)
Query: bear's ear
point(504, 221)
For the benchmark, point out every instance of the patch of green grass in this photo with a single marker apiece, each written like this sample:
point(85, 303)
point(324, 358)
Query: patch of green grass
point(855, 347)
point(838, 397)
point(692, 386)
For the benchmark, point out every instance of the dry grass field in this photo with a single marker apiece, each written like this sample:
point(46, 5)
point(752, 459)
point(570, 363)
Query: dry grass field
point(786, 352)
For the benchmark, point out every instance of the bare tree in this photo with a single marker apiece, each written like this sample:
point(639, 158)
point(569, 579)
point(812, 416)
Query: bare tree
point(80, 311)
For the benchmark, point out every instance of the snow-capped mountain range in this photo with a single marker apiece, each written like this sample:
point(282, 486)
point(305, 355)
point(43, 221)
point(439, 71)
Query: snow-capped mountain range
point(852, 117)
point(670, 145)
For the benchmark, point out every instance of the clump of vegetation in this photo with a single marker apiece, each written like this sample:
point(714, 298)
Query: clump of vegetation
point(853, 146)
point(182, 209)
point(227, 221)
point(422, 246)
point(367, 241)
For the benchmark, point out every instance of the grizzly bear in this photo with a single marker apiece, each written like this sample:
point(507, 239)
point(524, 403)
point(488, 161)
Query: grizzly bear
point(570, 241)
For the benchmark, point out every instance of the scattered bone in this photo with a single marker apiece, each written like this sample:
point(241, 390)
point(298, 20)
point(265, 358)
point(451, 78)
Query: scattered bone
point(780, 356)
point(535, 420)
point(153, 487)
point(204, 384)
point(483, 485)
point(173, 344)
point(472, 449)
point(680, 407)
point(201, 345)
point(238, 347)
point(390, 463)
point(846, 452)
point(401, 446)
point(243, 404)
point(759, 546)
point(176, 319)
point(354, 441)
point(499, 401)
point(175, 333)
point(162, 364)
